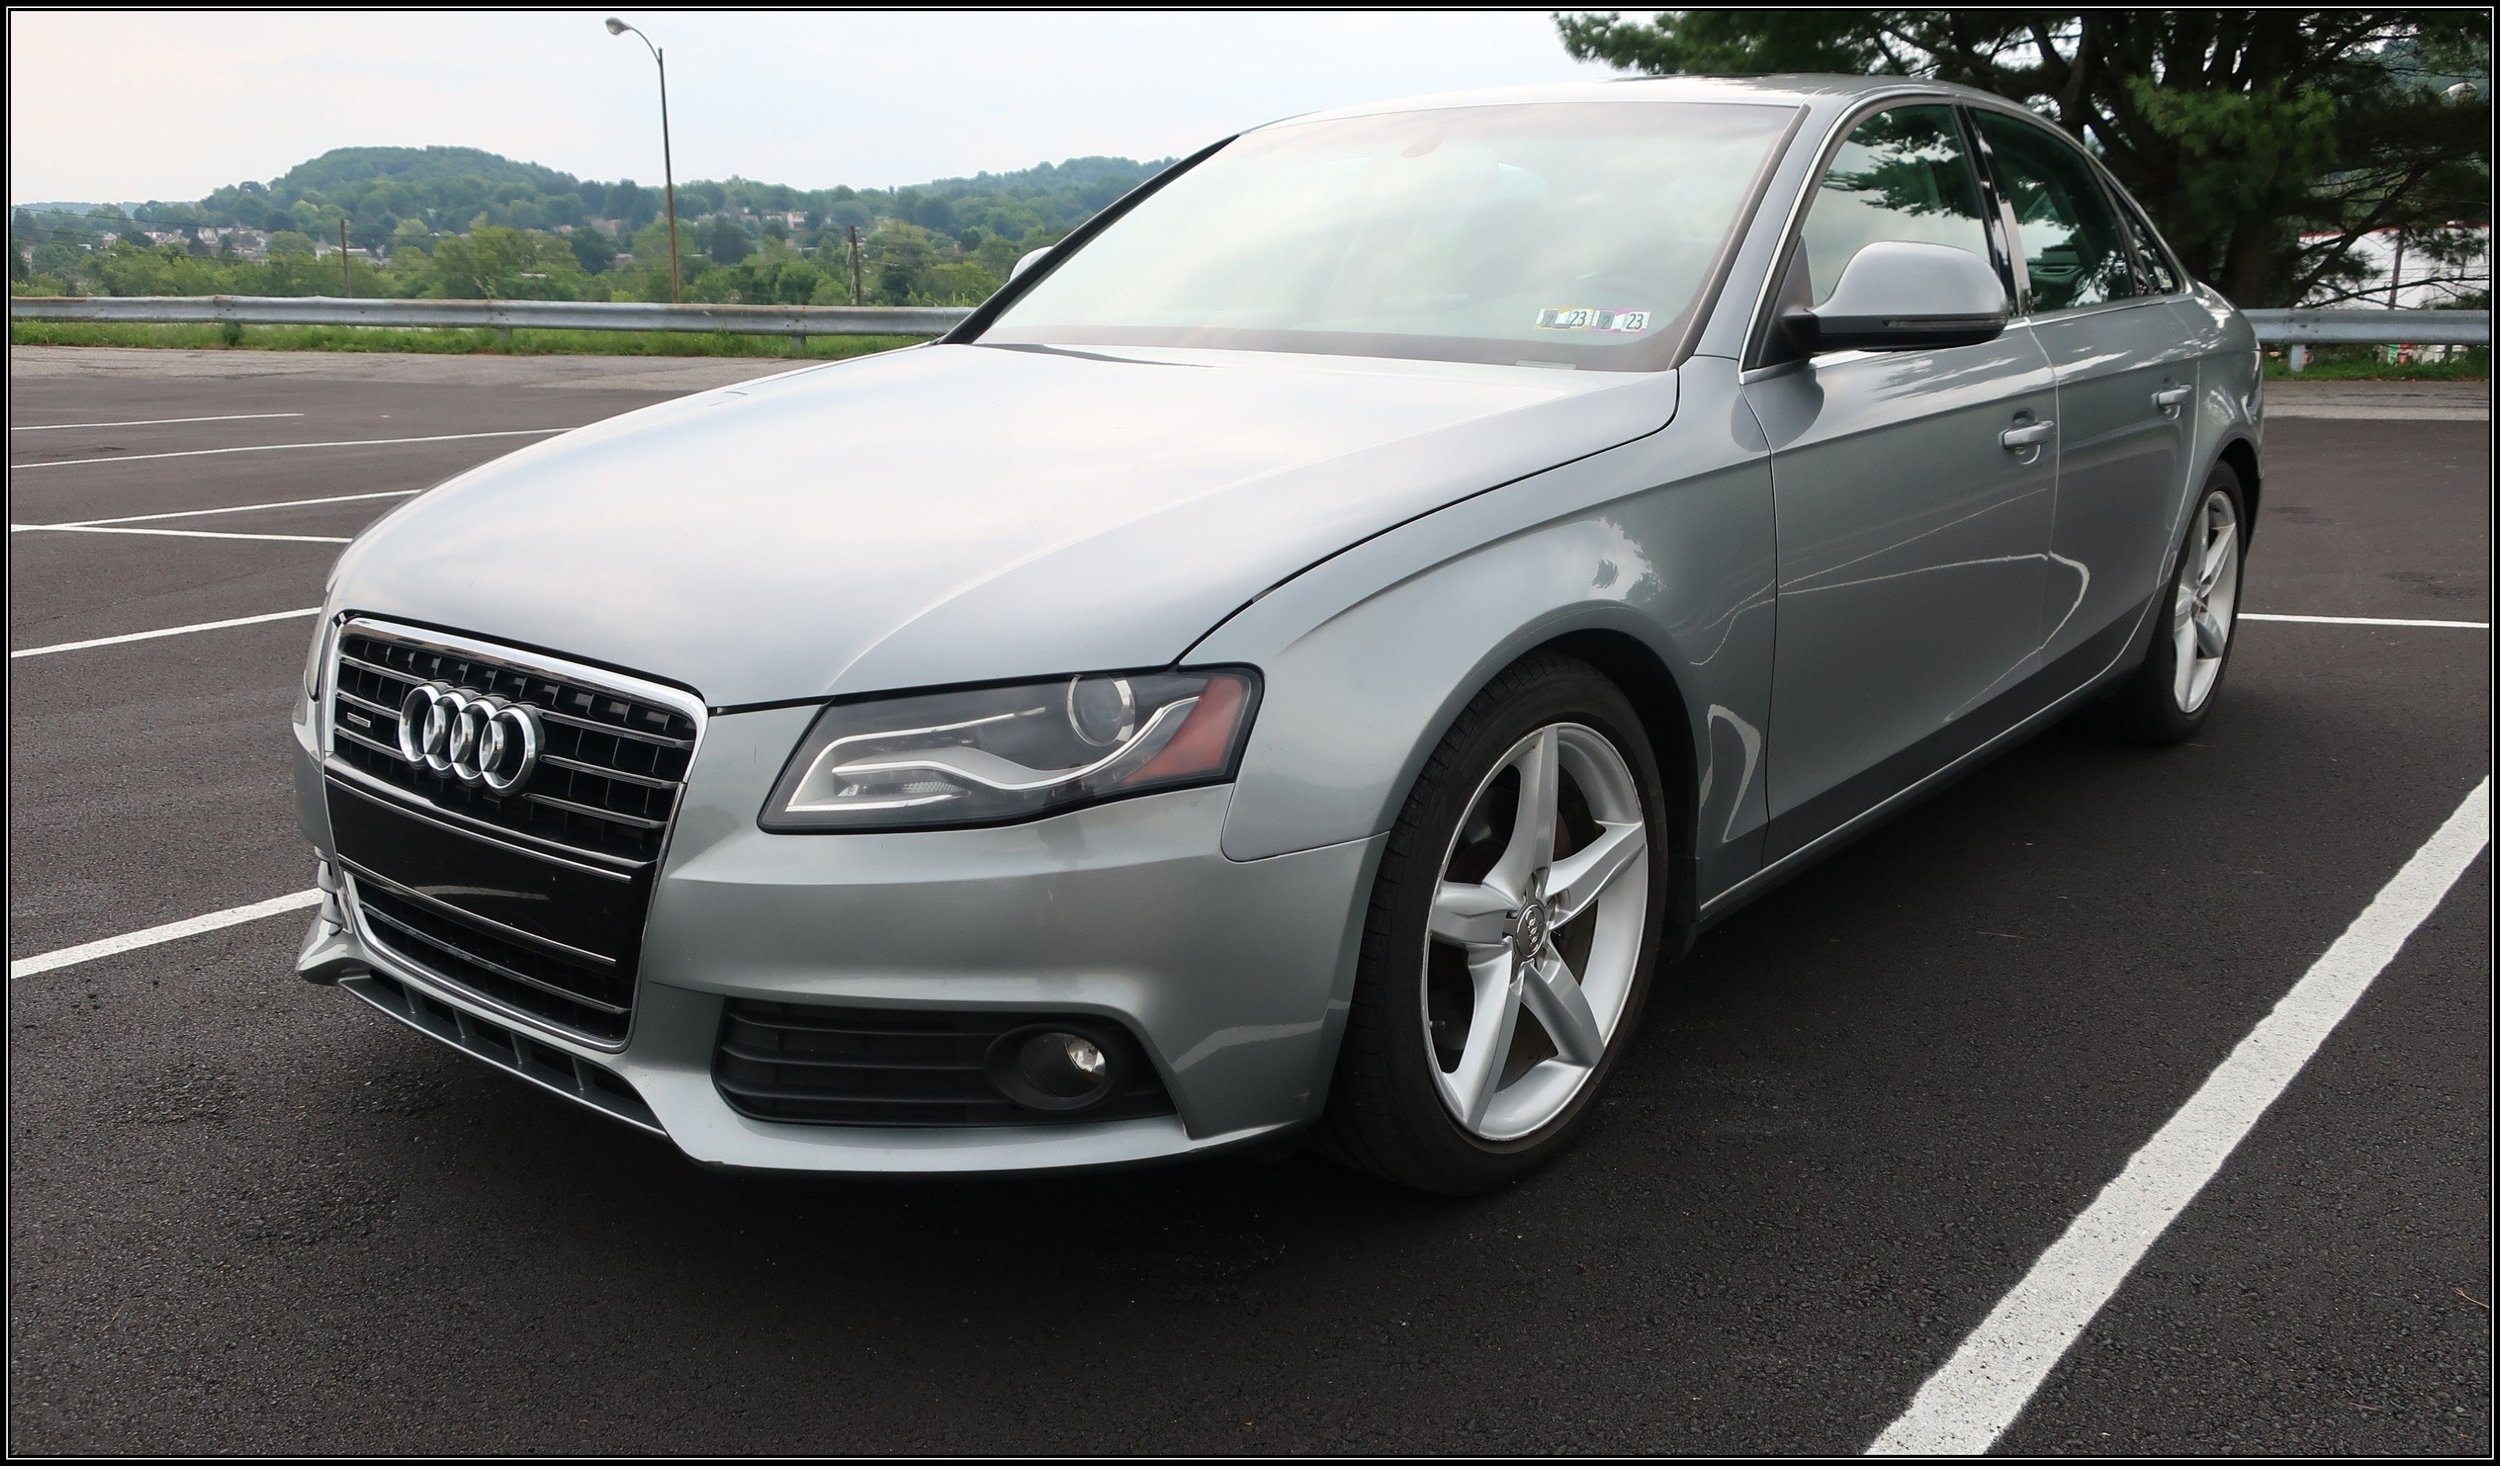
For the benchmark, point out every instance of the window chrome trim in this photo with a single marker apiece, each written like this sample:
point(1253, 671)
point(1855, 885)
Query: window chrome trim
point(2113, 193)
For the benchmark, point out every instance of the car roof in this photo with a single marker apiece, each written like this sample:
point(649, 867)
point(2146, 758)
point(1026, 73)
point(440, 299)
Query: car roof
point(1792, 89)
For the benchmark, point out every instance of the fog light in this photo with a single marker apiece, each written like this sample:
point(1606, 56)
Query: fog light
point(1062, 1065)
point(1052, 1068)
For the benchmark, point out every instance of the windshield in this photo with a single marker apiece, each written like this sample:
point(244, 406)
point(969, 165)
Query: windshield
point(1549, 234)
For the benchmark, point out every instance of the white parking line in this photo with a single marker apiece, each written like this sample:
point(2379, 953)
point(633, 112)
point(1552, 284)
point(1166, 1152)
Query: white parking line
point(181, 534)
point(2366, 621)
point(172, 931)
point(151, 422)
point(80, 646)
point(223, 509)
point(283, 447)
point(1967, 1404)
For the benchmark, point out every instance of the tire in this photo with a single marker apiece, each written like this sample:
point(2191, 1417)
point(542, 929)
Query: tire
point(1432, 1090)
point(2161, 703)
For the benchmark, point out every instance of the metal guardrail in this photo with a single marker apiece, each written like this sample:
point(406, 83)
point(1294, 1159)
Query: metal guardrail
point(502, 315)
point(2359, 327)
point(2274, 327)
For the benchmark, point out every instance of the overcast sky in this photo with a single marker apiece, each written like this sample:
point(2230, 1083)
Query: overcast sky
point(127, 107)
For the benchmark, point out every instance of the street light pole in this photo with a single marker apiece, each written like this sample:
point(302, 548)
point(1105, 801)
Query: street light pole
point(668, 169)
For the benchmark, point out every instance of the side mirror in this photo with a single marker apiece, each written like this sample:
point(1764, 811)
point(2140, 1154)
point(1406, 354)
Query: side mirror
point(1030, 258)
point(1898, 296)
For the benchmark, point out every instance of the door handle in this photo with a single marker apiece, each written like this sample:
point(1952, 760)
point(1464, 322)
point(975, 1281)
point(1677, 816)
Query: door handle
point(2171, 399)
point(2029, 435)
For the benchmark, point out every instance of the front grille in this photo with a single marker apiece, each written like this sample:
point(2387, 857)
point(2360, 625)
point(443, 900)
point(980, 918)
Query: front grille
point(532, 900)
point(608, 776)
point(807, 1063)
point(582, 996)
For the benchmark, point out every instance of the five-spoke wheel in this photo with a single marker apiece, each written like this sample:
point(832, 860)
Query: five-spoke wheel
point(2207, 595)
point(2166, 699)
point(1540, 909)
point(1514, 922)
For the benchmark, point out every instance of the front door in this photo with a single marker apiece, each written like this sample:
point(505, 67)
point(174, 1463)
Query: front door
point(1913, 534)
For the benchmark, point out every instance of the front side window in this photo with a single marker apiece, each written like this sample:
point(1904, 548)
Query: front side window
point(1903, 175)
point(2155, 275)
point(1547, 234)
point(2070, 240)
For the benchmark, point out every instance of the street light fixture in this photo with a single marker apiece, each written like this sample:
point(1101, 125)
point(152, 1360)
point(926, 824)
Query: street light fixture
point(668, 169)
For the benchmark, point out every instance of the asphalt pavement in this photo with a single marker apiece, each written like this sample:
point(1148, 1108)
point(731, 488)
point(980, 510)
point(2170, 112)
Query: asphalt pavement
point(248, 1215)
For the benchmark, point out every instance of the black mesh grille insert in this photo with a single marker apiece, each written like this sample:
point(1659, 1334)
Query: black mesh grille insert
point(582, 996)
point(814, 1064)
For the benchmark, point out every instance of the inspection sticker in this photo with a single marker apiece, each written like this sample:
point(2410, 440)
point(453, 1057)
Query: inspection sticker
point(1590, 318)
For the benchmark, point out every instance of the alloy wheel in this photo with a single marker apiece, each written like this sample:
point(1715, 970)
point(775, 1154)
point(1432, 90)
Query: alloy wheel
point(2205, 601)
point(1535, 933)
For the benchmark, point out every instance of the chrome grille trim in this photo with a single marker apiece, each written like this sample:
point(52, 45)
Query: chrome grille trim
point(471, 918)
point(512, 974)
point(634, 820)
point(357, 782)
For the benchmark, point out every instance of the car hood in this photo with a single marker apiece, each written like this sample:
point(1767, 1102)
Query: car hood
point(962, 513)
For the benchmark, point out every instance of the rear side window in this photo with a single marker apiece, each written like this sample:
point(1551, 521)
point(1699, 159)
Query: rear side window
point(2154, 273)
point(1902, 175)
point(2070, 240)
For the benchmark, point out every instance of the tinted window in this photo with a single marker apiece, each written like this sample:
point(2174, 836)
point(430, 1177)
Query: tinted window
point(2070, 239)
point(1902, 175)
point(1572, 234)
point(2154, 273)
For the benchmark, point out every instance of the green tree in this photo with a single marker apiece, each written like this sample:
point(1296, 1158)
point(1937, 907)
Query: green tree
point(725, 242)
point(2266, 143)
point(592, 249)
point(494, 263)
point(896, 257)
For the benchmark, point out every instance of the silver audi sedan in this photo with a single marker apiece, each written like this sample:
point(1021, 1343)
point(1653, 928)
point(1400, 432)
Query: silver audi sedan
point(1299, 660)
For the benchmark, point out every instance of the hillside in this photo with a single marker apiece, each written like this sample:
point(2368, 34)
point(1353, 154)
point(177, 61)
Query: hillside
point(463, 222)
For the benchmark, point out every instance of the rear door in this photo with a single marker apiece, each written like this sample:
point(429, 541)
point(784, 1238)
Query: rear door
point(2126, 385)
point(1912, 535)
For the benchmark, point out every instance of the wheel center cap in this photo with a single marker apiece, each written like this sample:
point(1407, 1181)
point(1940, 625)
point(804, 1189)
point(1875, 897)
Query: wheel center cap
point(1528, 927)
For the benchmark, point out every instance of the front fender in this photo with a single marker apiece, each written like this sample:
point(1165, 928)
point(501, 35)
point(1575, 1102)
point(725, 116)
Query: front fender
point(1666, 542)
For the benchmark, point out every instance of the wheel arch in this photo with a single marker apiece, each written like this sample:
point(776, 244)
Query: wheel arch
point(2241, 454)
point(1667, 719)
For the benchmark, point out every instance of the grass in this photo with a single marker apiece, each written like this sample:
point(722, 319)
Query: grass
point(481, 341)
point(2370, 364)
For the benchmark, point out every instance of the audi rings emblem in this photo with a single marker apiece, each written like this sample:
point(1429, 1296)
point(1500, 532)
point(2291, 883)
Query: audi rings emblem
point(469, 736)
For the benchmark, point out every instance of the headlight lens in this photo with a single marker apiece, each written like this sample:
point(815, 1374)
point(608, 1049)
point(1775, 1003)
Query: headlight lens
point(988, 755)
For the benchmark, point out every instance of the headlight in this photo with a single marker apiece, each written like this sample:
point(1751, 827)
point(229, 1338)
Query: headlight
point(988, 755)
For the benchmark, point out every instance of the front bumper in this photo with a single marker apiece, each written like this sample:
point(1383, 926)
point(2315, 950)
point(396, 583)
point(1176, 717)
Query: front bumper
point(1234, 975)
